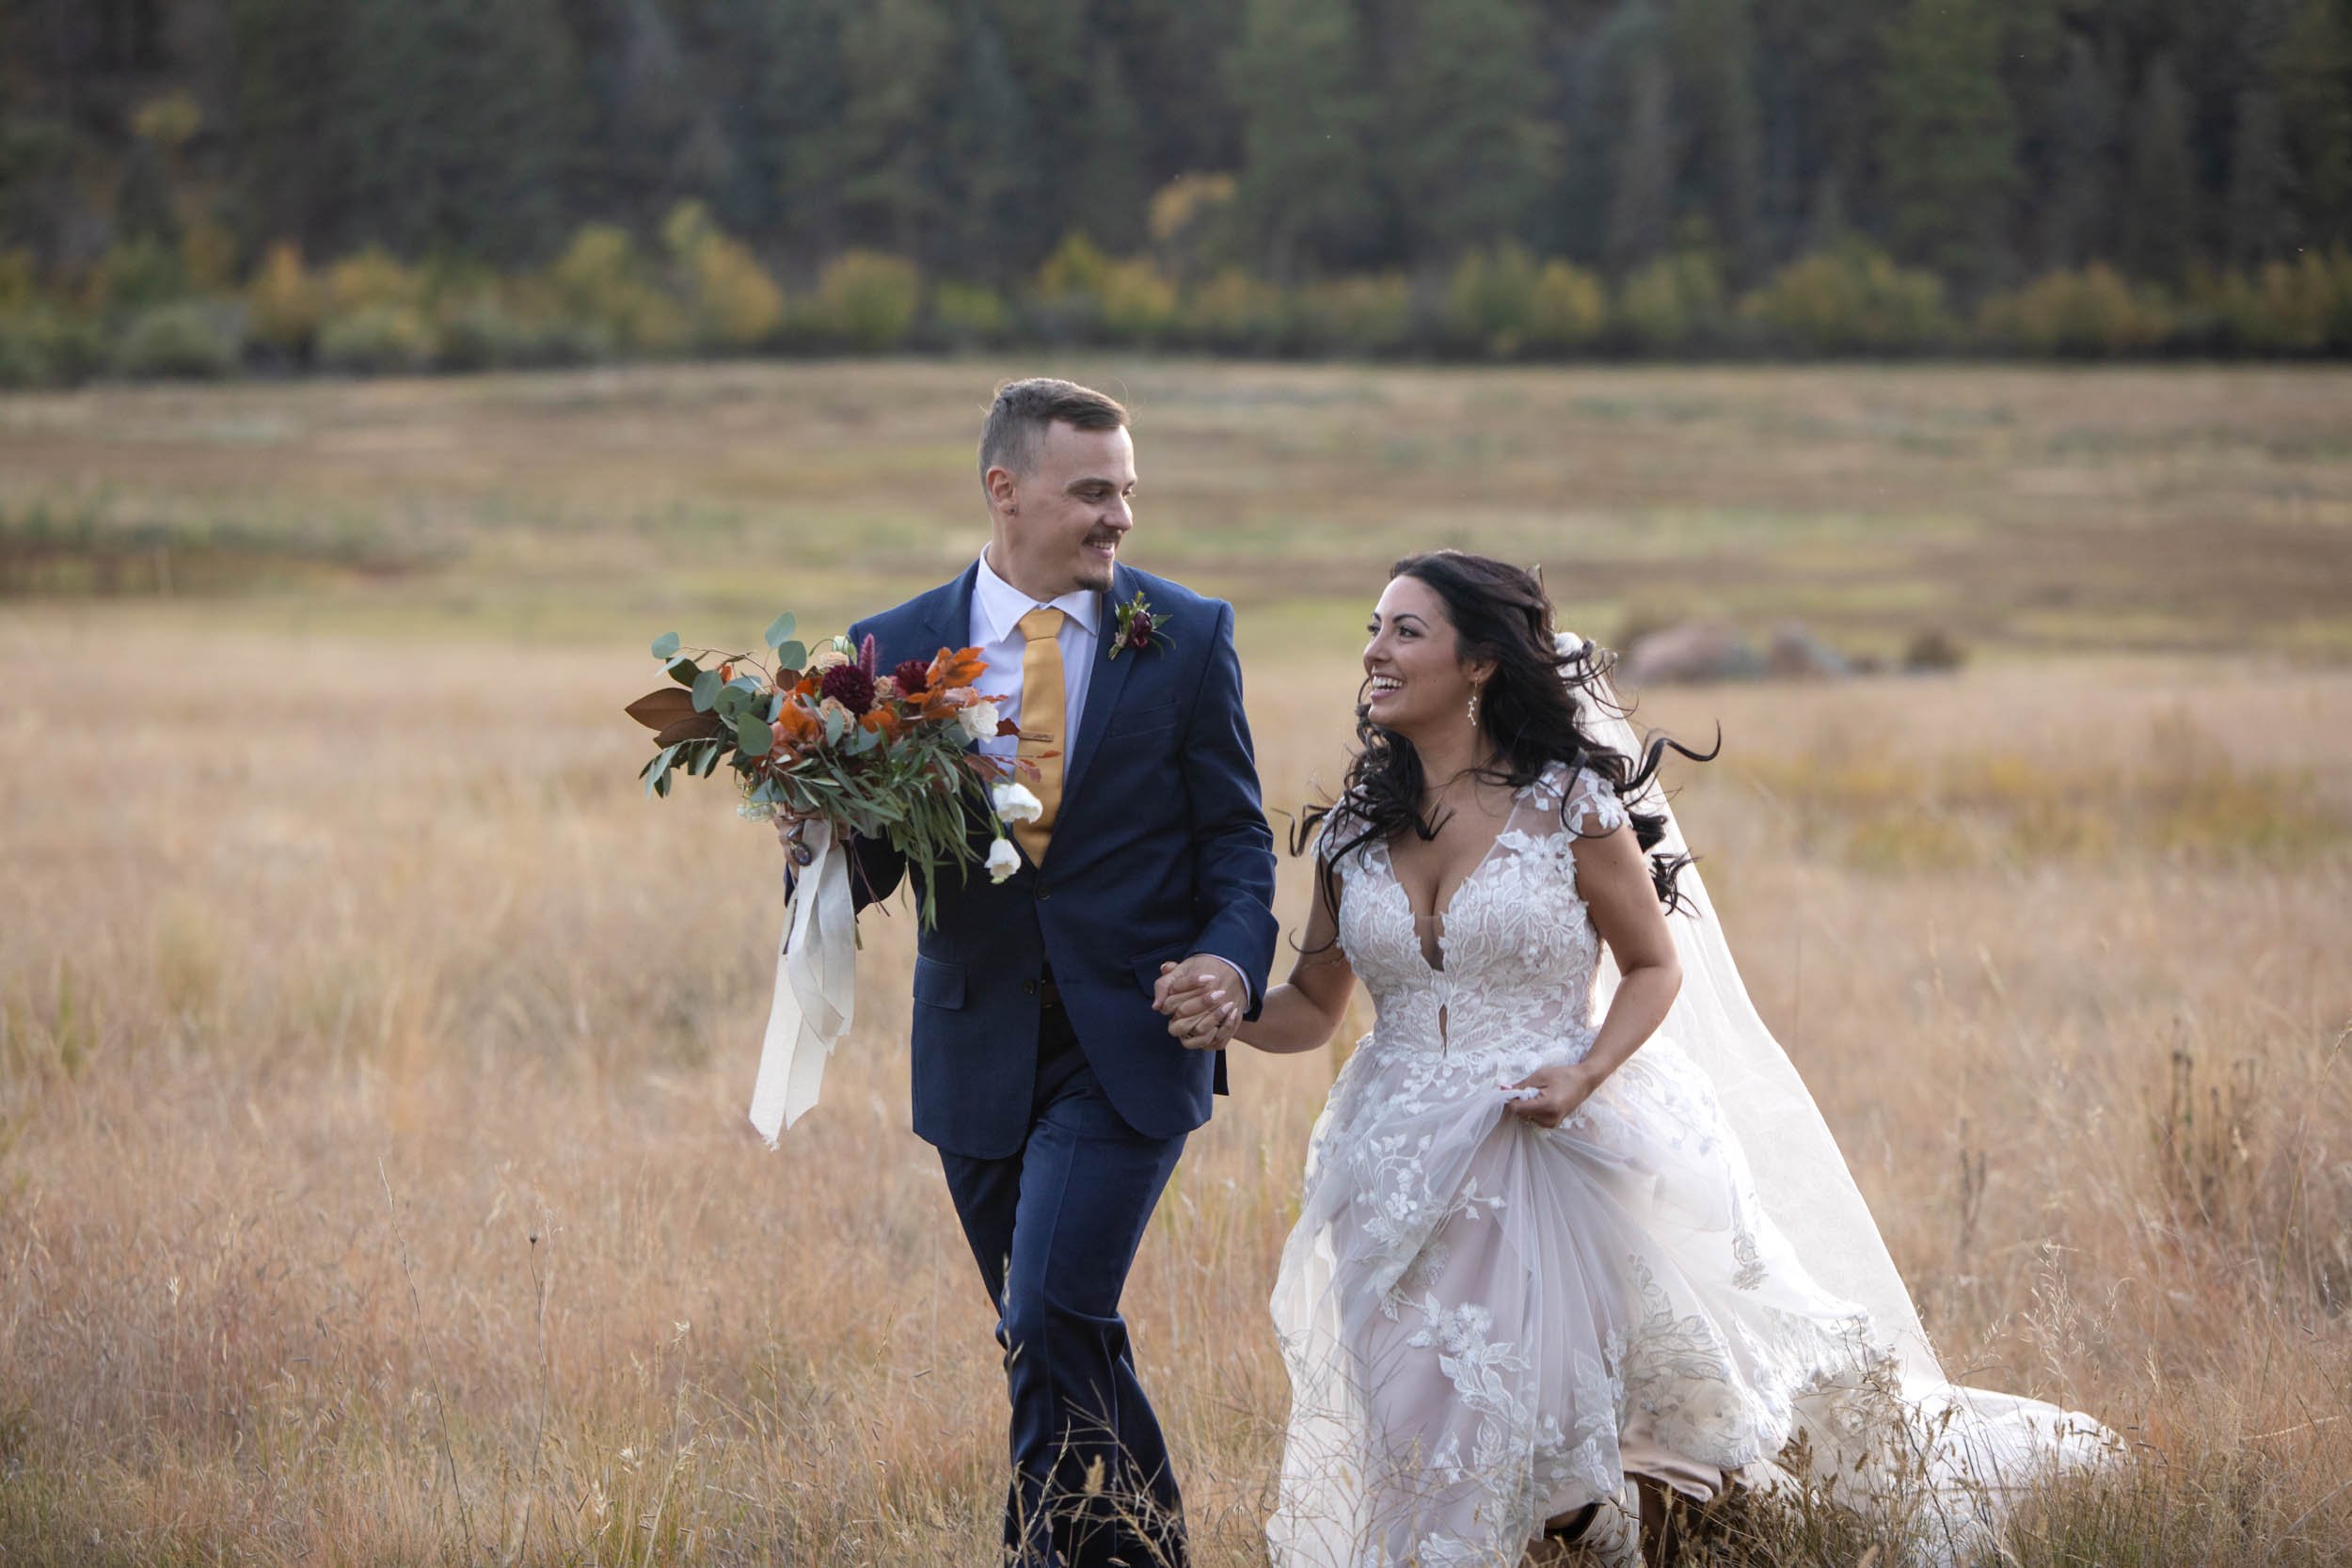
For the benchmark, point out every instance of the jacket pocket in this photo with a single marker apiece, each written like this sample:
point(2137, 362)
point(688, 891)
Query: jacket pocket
point(1141, 720)
point(938, 983)
point(1147, 965)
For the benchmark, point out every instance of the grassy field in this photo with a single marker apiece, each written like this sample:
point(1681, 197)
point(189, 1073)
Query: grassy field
point(374, 1182)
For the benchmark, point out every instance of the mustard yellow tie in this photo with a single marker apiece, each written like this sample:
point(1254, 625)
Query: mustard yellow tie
point(1044, 706)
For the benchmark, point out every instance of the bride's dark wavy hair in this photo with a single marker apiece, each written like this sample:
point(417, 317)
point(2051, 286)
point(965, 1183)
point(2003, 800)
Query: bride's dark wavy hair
point(1529, 707)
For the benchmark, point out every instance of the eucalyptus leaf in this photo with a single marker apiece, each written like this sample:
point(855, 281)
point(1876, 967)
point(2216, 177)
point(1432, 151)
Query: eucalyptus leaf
point(664, 645)
point(684, 671)
point(706, 686)
point(780, 632)
point(752, 736)
point(791, 656)
point(836, 720)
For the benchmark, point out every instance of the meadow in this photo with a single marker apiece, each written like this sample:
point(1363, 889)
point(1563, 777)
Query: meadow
point(375, 1186)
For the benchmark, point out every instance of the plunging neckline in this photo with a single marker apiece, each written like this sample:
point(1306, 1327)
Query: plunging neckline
point(1438, 917)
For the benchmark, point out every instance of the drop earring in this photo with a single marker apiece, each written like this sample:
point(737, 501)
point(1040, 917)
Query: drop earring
point(1473, 707)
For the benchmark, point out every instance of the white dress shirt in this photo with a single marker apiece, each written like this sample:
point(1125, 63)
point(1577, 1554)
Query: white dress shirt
point(997, 606)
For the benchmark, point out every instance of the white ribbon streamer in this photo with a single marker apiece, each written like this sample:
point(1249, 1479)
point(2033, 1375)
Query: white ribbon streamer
point(815, 991)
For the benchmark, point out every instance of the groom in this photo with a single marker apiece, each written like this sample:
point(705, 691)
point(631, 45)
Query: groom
point(1056, 1098)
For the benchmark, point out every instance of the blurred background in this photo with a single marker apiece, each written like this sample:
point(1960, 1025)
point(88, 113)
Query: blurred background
point(1939, 397)
point(200, 186)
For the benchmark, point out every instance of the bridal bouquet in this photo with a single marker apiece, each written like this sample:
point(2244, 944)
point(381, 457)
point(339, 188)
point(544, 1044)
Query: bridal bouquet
point(825, 735)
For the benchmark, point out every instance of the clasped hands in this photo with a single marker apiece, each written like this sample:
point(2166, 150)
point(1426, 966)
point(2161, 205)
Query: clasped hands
point(1201, 999)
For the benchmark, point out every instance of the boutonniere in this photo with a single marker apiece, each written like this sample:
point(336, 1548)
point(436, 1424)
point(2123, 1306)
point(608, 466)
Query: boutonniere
point(1138, 628)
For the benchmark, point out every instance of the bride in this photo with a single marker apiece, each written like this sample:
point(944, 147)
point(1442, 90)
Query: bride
point(1573, 1234)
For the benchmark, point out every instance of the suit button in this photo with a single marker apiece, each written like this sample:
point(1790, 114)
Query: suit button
point(1043, 893)
point(1028, 987)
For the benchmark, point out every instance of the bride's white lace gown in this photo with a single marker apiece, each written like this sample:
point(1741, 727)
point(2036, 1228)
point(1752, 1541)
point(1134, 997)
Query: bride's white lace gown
point(1488, 1322)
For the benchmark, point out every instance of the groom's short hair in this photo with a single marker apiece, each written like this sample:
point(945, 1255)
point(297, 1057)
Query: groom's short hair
point(1022, 409)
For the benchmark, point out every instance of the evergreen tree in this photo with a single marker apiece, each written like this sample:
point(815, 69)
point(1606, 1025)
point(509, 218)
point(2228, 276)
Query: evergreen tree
point(1714, 64)
point(1106, 184)
point(1950, 173)
point(1641, 196)
point(2314, 71)
point(995, 212)
point(2160, 192)
point(897, 75)
point(454, 126)
point(290, 61)
point(1818, 68)
point(2260, 224)
point(2077, 216)
point(1298, 76)
point(1470, 155)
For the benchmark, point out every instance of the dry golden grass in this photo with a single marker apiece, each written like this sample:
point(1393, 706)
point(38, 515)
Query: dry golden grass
point(374, 1182)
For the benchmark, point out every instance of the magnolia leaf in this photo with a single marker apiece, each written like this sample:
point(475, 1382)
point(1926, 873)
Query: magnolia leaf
point(790, 657)
point(659, 710)
point(780, 632)
point(695, 726)
point(664, 645)
point(752, 736)
point(707, 684)
point(683, 670)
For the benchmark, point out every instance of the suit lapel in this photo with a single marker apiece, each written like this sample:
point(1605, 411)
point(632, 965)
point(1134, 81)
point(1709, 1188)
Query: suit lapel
point(1103, 687)
point(948, 618)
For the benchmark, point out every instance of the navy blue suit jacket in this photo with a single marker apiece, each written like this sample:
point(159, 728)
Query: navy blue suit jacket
point(1161, 849)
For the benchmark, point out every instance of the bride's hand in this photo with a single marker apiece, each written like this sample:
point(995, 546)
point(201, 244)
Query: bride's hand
point(1559, 1090)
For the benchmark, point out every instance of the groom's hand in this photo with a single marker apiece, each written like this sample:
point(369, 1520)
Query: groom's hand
point(1201, 999)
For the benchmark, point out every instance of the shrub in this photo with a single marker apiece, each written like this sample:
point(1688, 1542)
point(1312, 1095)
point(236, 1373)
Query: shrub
point(600, 281)
point(733, 301)
point(376, 339)
point(1236, 312)
point(1851, 299)
point(2093, 311)
point(136, 273)
point(1138, 305)
point(1568, 309)
point(1067, 301)
point(19, 283)
point(282, 302)
point(870, 298)
point(1369, 315)
point(1672, 301)
point(1487, 299)
point(43, 346)
point(188, 338)
point(374, 276)
point(1192, 224)
point(969, 315)
point(1934, 649)
point(2298, 307)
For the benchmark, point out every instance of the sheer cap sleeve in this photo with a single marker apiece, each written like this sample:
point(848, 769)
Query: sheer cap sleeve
point(1592, 807)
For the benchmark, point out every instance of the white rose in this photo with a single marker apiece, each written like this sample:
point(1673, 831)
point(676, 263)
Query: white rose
point(1015, 803)
point(1003, 860)
point(980, 720)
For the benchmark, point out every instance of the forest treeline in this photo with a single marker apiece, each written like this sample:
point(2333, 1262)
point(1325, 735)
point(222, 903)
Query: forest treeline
point(190, 186)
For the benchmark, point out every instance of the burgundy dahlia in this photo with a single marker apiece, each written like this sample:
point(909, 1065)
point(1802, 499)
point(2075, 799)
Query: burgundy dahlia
point(1139, 630)
point(912, 677)
point(850, 686)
